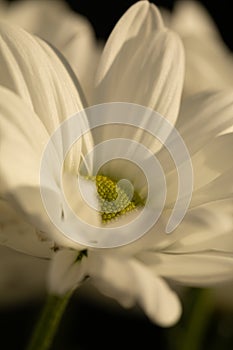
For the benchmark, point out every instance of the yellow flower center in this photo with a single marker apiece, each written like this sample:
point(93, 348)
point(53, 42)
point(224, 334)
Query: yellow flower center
point(115, 199)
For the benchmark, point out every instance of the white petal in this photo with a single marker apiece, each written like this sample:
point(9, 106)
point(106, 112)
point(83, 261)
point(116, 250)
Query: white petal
point(220, 188)
point(209, 65)
point(202, 117)
point(66, 271)
point(205, 228)
point(23, 138)
point(21, 150)
point(199, 117)
point(34, 72)
point(142, 63)
point(130, 282)
point(208, 227)
point(17, 233)
point(21, 153)
point(191, 18)
point(214, 160)
point(197, 269)
point(208, 61)
point(69, 32)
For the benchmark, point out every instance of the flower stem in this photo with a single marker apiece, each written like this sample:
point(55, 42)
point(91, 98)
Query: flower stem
point(198, 321)
point(48, 322)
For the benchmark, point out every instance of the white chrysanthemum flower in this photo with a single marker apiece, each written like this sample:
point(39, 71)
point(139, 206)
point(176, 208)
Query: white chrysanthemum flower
point(142, 63)
point(65, 30)
point(209, 63)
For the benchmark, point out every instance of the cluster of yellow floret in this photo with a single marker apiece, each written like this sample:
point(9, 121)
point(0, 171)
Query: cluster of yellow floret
point(114, 201)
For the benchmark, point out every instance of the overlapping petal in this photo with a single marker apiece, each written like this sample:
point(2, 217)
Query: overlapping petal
point(142, 63)
point(69, 32)
point(130, 282)
point(201, 118)
point(17, 233)
point(195, 269)
point(204, 125)
point(34, 72)
point(67, 271)
point(22, 140)
point(208, 61)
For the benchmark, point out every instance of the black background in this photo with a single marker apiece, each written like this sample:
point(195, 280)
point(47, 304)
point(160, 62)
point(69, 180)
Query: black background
point(104, 14)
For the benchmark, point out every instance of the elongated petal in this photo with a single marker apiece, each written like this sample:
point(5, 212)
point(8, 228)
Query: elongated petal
point(23, 138)
point(197, 269)
point(218, 189)
point(205, 228)
point(202, 117)
point(22, 180)
point(208, 227)
point(142, 63)
point(204, 48)
point(130, 282)
point(21, 151)
point(213, 161)
point(69, 32)
point(66, 271)
point(34, 72)
point(191, 18)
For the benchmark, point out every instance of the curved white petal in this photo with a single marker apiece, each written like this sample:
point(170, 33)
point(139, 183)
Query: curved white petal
point(213, 161)
point(130, 282)
point(69, 32)
point(196, 269)
point(208, 227)
point(191, 18)
point(199, 118)
point(66, 272)
point(218, 189)
point(142, 63)
point(23, 138)
point(209, 63)
point(202, 117)
point(23, 181)
point(33, 71)
point(22, 142)
point(205, 228)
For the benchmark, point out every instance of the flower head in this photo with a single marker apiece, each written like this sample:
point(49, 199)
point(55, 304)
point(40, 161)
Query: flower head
point(142, 66)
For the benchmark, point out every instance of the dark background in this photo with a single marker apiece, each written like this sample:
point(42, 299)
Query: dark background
point(104, 14)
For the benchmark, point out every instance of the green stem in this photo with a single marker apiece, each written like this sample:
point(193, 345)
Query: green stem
point(198, 321)
point(48, 322)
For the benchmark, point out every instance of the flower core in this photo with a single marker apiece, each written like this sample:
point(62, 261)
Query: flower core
point(115, 198)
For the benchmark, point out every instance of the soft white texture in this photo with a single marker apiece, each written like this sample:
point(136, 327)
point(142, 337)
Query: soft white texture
point(37, 93)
